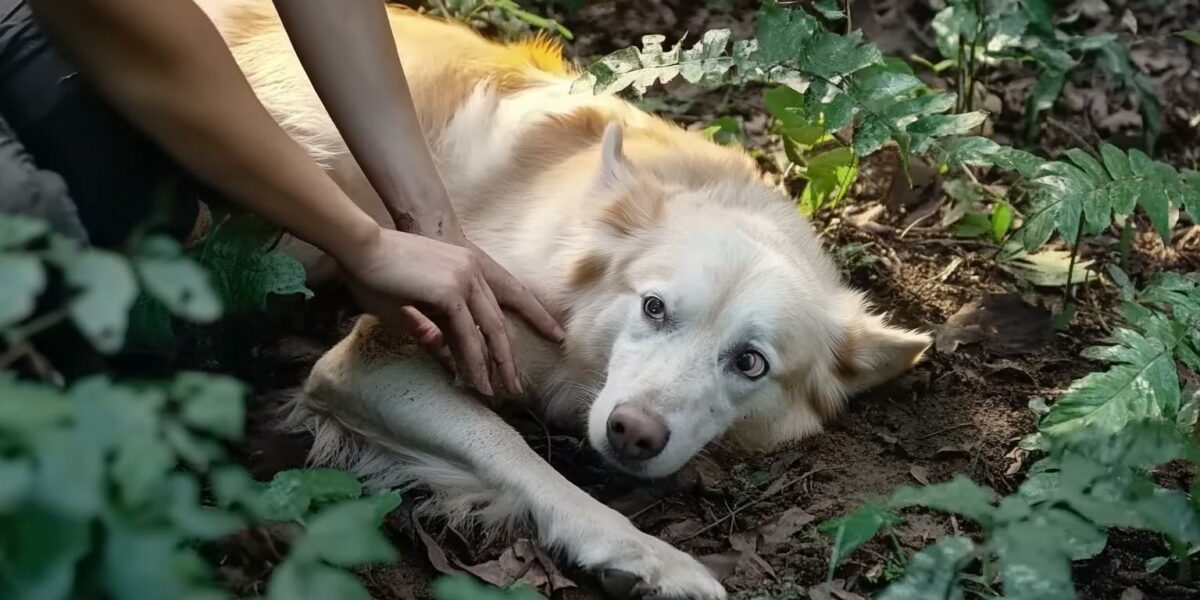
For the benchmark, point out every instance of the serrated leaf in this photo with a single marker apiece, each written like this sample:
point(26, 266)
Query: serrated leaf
point(871, 135)
point(18, 230)
point(832, 56)
point(830, 175)
point(246, 269)
point(782, 32)
point(192, 518)
point(1142, 385)
point(148, 564)
point(314, 581)
point(29, 407)
point(928, 127)
point(106, 289)
point(1042, 96)
point(959, 495)
point(212, 403)
point(1032, 565)
point(347, 534)
point(933, 573)
point(854, 530)
point(24, 279)
point(177, 281)
point(292, 493)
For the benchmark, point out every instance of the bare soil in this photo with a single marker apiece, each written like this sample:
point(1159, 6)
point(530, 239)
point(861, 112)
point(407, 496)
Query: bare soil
point(958, 412)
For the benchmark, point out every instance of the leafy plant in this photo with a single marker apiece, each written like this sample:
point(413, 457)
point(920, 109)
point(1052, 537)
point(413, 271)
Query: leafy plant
point(1099, 438)
point(110, 488)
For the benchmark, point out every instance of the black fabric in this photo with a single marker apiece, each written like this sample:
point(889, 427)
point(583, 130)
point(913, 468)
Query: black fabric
point(117, 177)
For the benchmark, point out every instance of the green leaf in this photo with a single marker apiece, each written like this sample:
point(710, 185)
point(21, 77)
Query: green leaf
point(246, 269)
point(29, 408)
point(933, 573)
point(180, 283)
point(106, 290)
point(24, 279)
point(1143, 385)
point(192, 518)
point(830, 175)
point(725, 130)
point(959, 495)
point(70, 475)
point(1189, 35)
point(149, 564)
point(314, 581)
point(1002, 218)
point(211, 403)
point(928, 127)
point(1032, 565)
point(831, 56)
point(140, 468)
point(830, 9)
point(18, 230)
point(293, 492)
point(853, 530)
point(41, 550)
point(782, 32)
point(16, 479)
point(347, 534)
point(1045, 93)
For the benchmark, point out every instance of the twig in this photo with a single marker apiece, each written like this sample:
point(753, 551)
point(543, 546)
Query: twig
point(944, 430)
point(643, 511)
point(769, 492)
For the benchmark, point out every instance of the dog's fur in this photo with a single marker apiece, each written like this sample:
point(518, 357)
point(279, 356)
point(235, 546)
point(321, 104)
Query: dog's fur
point(593, 204)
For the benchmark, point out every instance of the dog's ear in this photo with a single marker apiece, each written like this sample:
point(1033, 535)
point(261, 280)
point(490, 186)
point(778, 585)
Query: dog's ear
point(872, 352)
point(613, 163)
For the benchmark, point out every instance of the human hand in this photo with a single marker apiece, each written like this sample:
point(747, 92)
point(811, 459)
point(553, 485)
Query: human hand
point(445, 283)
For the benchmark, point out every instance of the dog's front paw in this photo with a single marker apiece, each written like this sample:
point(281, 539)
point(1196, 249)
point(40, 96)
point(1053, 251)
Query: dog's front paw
point(656, 570)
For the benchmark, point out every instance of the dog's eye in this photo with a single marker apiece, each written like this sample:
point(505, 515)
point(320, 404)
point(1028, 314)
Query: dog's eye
point(654, 308)
point(751, 364)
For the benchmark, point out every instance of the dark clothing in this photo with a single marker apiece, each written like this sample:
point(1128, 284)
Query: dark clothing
point(115, 177)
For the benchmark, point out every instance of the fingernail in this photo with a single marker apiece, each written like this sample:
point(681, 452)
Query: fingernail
point(562, 335)
point(486, 388)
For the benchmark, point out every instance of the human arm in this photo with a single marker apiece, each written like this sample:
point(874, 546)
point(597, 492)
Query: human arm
point(163, 65)
point(350, 55)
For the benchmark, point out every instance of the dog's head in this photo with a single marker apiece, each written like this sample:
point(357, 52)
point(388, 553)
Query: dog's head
point(712, 309)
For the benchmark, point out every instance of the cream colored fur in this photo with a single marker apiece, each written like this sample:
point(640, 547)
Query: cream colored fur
point(593, 205)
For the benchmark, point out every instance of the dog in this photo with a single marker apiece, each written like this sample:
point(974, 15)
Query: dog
point(698, 304)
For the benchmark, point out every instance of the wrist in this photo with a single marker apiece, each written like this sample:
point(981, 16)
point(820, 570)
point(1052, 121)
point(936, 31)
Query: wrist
point(355, 244)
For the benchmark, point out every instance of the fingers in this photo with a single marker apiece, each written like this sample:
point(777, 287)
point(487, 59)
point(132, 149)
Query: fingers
point(491, 323)
point(510, 293)
point(466, 344)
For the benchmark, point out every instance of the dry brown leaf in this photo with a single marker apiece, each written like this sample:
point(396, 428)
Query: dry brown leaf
point(1002, 323)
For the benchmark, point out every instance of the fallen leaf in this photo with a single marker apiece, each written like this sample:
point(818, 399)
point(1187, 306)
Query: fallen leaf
point(1003, 323)
point(1048, 268)
point(781, 528)
point(921, 474)
point(523, 561)
point(437, 556)
point(681, 529)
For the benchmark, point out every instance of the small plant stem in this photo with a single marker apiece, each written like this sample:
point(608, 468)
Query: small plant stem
point(849, 22)
point(36, 326)
point(1125, 248)
point(901, 555)
point(1068, 297)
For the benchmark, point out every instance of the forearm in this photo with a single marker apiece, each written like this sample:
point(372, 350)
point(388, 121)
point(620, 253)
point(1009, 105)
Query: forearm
point(163, 65)
point(350, 56)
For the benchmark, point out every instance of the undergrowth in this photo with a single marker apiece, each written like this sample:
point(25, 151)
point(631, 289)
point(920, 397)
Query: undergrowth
point(117, 487)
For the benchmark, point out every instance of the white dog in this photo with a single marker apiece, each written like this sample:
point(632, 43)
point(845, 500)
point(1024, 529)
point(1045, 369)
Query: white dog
point(697, 302)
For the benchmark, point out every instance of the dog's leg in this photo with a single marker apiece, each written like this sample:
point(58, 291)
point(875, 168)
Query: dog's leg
point(438, 434)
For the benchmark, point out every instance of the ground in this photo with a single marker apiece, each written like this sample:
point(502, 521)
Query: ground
point(753, 518)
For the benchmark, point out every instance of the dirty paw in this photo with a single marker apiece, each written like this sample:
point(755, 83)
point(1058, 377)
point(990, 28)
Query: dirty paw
point(670, 575)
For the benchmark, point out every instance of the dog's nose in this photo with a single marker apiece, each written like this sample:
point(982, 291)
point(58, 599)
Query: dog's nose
point(636, 433)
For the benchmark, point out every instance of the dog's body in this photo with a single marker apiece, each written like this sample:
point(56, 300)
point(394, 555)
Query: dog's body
point(698, 304)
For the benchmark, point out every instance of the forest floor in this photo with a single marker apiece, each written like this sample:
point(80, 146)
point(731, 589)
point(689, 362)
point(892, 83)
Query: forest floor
point(962, 410)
